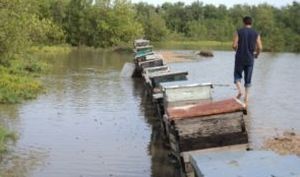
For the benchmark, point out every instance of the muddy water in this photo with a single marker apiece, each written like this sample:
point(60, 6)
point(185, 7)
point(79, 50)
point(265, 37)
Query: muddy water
point(91, 122)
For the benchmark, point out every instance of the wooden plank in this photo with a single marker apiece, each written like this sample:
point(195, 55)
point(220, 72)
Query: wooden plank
point(167, 77)
point(143, 52)
point(246, 164)
point(188, 92)
point(154, 56)
point(141, 48)
point(151, 70)
point(151, 63)
point(186, 156)
point(211, 125)
point(191, 93)
point(141, 42)
point(148, 72)
point(142, 56)
point(194, 143)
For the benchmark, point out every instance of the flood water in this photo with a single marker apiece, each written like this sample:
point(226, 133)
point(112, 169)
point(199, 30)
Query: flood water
point(93, 123)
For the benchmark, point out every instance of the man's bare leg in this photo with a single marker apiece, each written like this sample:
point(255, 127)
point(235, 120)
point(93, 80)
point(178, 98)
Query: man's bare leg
point(246, 99)
point(238, 86)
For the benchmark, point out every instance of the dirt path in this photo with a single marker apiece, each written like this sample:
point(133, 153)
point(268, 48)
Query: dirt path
point(288, 143)
point(173, 57)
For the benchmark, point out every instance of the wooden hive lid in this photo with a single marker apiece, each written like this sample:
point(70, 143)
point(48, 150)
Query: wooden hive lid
point(205, 109)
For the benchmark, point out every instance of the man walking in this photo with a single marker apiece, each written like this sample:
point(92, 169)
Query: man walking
point(247, 44)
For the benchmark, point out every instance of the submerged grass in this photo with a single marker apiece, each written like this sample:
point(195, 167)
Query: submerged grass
point(18, 80)
point(5, 136)
point(15, 88)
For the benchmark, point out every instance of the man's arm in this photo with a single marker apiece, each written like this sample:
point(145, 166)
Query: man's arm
point(258, 46)
point(235, 41)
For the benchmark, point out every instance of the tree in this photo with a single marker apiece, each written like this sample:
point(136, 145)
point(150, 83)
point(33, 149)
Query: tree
point(154, 25)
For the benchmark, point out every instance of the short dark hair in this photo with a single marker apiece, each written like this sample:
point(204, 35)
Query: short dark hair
point(247, 20)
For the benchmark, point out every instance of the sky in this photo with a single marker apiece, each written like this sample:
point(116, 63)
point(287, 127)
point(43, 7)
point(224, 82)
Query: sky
point(228, 3)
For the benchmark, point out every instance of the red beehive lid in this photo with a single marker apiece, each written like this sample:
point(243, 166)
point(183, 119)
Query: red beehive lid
point(205, 109)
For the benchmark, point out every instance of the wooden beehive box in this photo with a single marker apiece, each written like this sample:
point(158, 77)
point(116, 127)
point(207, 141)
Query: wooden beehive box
point(148, 72)
point(141, 65)
point(171, 76)
point(205, 125)
point(183, 94)
point(143, 49)
point(179, 95)
point(141, 42)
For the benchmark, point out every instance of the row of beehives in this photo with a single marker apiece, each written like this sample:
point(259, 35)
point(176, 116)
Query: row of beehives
point(191, 120)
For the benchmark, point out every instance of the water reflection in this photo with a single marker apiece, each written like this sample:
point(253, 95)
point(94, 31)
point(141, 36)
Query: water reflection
point(157, 148)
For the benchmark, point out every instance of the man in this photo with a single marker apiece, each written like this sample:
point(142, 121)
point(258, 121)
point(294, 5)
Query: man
point(247, 44)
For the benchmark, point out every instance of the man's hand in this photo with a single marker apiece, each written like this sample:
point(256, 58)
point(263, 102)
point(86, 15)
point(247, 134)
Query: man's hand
point(258, 47)
point(235, 41)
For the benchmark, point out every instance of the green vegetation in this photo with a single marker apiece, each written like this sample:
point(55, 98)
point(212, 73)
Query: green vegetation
point(18, 82)
point(279, 27)
point(29, 27)
point(4, 137)
point(50, 50)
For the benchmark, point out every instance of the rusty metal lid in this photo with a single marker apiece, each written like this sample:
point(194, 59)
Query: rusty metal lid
point(205, 109)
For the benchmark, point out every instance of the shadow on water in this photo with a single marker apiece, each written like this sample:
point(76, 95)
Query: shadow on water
point(161, 164)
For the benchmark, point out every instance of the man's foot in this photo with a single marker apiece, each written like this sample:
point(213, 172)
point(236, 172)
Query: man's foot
point(239, 95)
point(246, 102)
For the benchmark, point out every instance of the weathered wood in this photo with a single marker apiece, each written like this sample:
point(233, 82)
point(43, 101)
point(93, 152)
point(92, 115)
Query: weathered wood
point(148, 72)
point(142, 57)
point(246, 164)
point(178, 95)
point(154, 56)
point(140, 66)
point(189, 144)
point(141, 42)
point(202, 110)
point(147, 56)
point(210, 125)
point(151, 63)
point(151, 70)
point(143, 49)
point(209, 131)
point(187, 155)
point(167, 77)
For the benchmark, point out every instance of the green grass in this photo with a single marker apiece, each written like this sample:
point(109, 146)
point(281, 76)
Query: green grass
point(19, 82)
point(5, 136)
point(51, 50)
point(193, 45)
point(18, 79)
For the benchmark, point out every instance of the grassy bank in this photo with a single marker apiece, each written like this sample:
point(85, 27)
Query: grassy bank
point(19, 79)
point(50, 50)
point(5, 136)
point(193, 45)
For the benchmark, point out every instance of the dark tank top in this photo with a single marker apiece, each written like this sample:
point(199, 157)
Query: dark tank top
point(246, 46)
